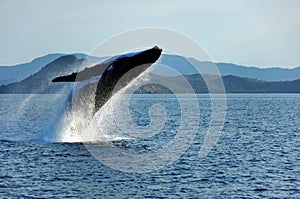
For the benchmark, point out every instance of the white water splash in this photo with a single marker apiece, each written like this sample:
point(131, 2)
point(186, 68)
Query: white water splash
point(78, 123)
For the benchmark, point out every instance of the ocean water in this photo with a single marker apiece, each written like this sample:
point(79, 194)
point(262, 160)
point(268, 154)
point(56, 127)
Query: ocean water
point(257, 154)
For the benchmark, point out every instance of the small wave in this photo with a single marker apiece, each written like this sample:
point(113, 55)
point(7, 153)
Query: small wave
point(15, 140)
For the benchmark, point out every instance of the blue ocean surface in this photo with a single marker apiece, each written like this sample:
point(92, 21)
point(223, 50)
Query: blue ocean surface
point(257, 154)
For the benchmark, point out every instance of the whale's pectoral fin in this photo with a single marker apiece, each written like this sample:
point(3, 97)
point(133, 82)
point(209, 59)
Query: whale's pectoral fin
point(85, 74)
point(67, 78)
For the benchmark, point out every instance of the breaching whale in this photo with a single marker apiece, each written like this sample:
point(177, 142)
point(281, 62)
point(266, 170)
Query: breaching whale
point(124, 67)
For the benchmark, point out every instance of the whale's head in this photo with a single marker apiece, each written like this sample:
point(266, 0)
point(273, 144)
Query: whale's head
point(131, 64)
point(122, 71)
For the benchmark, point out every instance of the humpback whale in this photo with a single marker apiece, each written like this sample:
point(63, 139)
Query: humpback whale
point(125, 67)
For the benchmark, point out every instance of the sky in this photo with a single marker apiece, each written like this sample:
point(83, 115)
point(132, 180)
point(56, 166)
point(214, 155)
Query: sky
point(262, 33)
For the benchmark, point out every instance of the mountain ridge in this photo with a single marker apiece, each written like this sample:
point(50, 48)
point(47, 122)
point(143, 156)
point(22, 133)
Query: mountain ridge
point(41, 82)
point(10, 74)
point(18, 72)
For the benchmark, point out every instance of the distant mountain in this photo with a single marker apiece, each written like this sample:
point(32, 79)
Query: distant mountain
point(178, 66)
point(10, 74)
point(38, 75)
point(186, 67)
point(265, 74)
point(40, 82)
point(232, 84)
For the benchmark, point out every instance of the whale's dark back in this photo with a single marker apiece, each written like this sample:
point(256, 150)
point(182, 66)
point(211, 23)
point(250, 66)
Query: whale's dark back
point(125, 67)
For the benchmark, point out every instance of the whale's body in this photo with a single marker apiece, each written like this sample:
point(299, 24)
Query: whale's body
point(120, 71)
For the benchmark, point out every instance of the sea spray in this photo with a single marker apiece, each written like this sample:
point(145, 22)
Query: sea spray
point(50, 132)
point(78, 114)
point(77, 122)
